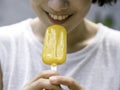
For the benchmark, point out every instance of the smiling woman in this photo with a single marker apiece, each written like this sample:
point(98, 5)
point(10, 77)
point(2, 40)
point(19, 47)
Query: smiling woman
point(61, 12)
point(93, 60)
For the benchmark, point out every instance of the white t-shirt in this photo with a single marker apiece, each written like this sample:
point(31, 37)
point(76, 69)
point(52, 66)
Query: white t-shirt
point(96, 67)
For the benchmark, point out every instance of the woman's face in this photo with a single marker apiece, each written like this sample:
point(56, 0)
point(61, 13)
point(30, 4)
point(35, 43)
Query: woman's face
point(68, 13)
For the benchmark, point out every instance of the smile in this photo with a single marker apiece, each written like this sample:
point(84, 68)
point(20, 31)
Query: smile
point(58, 19)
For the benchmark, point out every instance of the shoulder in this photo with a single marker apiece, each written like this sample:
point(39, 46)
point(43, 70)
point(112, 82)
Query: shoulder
point(111, 35)
point(110, 40)
point(13, 31)
point(11, 35)
point(111, 44)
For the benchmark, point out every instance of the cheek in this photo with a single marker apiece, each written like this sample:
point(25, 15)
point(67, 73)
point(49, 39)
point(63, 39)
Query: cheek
point(80, 4)
point(36, 5)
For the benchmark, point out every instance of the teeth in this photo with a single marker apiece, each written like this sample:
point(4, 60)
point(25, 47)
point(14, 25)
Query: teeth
point(60, 18)
point(56, 17)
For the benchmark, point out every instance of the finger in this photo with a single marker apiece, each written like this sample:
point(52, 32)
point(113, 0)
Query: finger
point(45, 74)
point(67, 81)
point(42, 84)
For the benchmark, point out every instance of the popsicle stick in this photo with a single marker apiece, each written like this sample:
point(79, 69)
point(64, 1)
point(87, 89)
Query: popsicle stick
point(54, 67)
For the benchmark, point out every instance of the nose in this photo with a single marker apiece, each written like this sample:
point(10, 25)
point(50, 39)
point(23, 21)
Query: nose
point(58, 5)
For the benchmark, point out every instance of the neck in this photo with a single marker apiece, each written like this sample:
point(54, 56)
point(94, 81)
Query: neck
point(38, 29)
point(81, 36)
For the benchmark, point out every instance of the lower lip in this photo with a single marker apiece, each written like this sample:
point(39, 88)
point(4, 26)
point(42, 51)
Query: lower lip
point(57, 21)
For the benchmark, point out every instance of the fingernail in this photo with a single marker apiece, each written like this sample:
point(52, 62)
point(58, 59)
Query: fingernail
point(53, 78)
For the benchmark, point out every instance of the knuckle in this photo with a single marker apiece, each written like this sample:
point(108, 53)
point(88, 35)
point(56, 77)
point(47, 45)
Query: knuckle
point(71, 81)
point(37, 83)
point(82, 88)
point(40, 81)
point(27, 87)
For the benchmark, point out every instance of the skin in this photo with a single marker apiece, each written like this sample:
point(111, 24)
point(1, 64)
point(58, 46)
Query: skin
point(51, 80)
point(42, 81)
point(83, 29)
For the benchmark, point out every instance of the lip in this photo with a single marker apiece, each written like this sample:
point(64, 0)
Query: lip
point(57, 21)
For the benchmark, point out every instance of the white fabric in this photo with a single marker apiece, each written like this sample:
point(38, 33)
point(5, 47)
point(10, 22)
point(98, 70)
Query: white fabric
point(96, 67)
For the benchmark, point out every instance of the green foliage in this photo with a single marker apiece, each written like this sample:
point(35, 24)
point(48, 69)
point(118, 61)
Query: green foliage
point(107, 21)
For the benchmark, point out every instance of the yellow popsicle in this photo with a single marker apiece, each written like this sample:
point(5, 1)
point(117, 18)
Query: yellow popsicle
point(54, 49)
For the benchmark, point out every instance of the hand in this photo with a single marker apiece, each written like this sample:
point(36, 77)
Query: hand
point(41, 82)
point(67, 81)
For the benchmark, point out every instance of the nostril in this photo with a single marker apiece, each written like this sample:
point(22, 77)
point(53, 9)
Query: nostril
point(58, 5)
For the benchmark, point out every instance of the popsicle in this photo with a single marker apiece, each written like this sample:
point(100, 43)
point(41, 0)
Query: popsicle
point(55, 44)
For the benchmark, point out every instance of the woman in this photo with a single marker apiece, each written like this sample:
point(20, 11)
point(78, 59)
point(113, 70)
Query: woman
point(93, 50)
